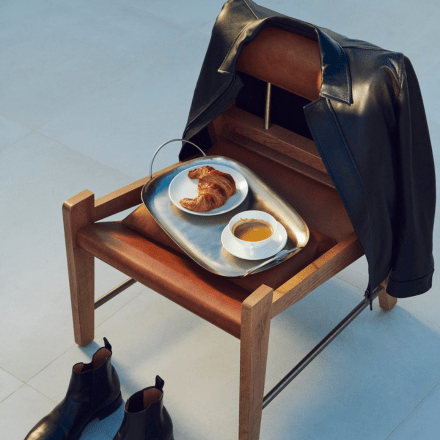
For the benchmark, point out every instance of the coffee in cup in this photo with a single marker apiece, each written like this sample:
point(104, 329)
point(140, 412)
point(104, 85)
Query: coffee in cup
point(252, 229)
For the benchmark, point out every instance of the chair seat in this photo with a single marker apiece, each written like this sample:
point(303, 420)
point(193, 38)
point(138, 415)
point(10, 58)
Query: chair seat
point(174, 276)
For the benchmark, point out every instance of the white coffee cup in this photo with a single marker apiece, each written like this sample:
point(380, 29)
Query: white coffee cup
point(252, 246)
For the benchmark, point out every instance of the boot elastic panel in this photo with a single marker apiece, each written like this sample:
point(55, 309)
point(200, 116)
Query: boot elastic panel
point(98, 359)
point(141, 400)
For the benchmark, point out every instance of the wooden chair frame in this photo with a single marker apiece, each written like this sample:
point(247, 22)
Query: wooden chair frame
point(241, 130)
point(257, 310)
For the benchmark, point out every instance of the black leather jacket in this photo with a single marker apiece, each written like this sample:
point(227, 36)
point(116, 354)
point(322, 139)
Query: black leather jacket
point(369, 126)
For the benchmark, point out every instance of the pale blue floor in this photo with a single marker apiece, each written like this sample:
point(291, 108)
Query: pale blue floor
point(88, 91)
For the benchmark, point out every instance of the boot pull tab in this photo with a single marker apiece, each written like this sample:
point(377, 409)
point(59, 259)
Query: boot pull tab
point(107, 344)
point(159, 383)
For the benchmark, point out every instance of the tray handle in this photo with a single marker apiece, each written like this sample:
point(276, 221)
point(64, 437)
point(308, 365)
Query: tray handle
point(168, 142)
point(279, 256)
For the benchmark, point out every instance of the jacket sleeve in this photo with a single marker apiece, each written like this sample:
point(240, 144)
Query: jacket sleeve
point(413, 263)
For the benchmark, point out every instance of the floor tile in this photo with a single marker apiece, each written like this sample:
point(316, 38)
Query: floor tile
point(8, 384)
point(124, 124)
point(422, 422)
point(10, 132)
point(93, 434)
point(53, 380)
point(21, 411)
point(370, 365)
point(111, 424)
point(430, 89)
point(207, 28)
point(193, 13)
point(61, 53)
point(152, 335)
point(356, 274)
point(403, 26)
point(34, 275)
point(105, 83)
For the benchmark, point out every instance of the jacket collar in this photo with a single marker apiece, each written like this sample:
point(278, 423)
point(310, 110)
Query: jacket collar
point(335, 71)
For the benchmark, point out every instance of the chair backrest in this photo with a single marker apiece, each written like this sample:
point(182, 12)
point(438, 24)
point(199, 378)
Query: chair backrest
point(281, 154)
point(287, 60)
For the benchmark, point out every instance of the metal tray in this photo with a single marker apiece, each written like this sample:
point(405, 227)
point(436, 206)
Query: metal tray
point(199, 236)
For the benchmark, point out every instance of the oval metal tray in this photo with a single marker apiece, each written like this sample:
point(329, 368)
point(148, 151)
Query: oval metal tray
point(200, 237)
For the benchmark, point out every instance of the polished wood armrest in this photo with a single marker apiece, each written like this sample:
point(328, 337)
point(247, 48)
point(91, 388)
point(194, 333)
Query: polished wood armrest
point(124, 198)
point(116, 201)
point(119, 200)
point(322, 269)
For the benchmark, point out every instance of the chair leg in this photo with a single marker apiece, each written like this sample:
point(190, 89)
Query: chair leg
point(386, 302)
point(256, 313)
point(77, 213)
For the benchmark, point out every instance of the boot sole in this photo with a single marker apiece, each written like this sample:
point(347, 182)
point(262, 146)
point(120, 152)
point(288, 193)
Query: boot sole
point(103, 413)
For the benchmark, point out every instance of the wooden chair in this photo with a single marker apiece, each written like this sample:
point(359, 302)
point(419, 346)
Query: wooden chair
point(287, 161)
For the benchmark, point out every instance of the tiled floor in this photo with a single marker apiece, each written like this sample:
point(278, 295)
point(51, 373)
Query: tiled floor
point(88, 90)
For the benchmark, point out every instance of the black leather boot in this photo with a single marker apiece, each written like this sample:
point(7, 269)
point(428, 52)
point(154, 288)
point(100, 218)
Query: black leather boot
point(145, 417)
point(94, 392)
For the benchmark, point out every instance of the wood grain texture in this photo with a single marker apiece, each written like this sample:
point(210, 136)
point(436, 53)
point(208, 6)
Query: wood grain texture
point(285, 59)
point(277, 138)
point(125, 197)
point(254, 337)
point(333, 261)
point(277, 144)
point(77, 213)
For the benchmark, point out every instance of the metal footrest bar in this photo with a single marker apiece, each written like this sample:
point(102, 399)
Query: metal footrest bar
point(109, 295)
point(326, 341)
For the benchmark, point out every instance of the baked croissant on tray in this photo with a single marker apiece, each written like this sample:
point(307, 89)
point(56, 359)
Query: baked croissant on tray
point(214, 189)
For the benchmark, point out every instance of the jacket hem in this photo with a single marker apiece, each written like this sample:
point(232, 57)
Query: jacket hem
point(405, 289)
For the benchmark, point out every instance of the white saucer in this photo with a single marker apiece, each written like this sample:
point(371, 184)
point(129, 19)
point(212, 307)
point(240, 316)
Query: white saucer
point(182, 186)
point(266, 251)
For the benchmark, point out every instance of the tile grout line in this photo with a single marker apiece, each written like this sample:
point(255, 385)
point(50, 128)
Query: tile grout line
point(64, 352)
point(9, 395)
point(73, 345)
point(31, 387)
point(22, 383)
point(34, 131)
point(112, 81)
point(159, 16)
point(125, 305)
point(13, 120)
point(130, 70)
point(84, 155)
point(39, 392)
point(427, 394)
point(420, 318)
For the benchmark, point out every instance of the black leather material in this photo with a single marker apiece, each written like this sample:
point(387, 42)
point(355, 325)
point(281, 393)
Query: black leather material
point(370, 127)
point(145, 419)
point(92, 393)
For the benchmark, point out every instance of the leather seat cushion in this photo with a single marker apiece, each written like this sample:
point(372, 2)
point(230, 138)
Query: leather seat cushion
point(141, 221)
point(173, 275)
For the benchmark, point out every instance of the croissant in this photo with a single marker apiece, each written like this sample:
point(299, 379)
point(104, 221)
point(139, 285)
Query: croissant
point(214, 189)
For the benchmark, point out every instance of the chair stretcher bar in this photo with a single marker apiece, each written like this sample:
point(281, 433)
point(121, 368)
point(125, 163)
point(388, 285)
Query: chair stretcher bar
point(319, 347)
point(115, 291)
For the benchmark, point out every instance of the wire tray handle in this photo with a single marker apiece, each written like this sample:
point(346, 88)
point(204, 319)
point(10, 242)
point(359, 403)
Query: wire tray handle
point(168, 142)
